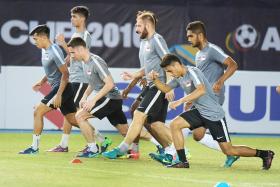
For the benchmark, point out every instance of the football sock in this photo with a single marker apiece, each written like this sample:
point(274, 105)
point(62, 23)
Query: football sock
point(64, 140)
point(209, 142)
point(35, 142)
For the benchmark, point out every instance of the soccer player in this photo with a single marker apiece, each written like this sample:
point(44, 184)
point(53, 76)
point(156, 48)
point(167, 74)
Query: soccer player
point(153, 107)
point(207, 112)
point(61, 95)
point(211, 60)
point(145, 135)
point(79, 82)
point(107, 101)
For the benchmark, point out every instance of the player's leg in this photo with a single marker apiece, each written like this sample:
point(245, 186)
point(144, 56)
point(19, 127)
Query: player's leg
point(176, 127)
point(145, 135)
point(190, 119)
point(87, 130)
point(39, 112)
point(63, 145)
point(218, 130)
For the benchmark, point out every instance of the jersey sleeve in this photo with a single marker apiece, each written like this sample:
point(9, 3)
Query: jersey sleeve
point(58, 56)
point(160, 46)
point(101, 68)
point(196, 77)
point(218, 55)
point(87, 38)
point(173, 84)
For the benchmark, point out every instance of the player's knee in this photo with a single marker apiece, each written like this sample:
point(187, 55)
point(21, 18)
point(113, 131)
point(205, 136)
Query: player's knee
point(37, 112)
point(137, 113)
point(197, 137)
point(174, 125)
point(79, 116)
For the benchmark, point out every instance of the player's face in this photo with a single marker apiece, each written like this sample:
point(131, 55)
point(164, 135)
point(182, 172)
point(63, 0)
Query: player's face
point(75, 53)
point(174, 69)
point(76, 19)
point(39, 40)
point(140, 28)
point(192, 38)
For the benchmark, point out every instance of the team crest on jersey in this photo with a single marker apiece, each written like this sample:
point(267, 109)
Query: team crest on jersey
point(148, 47)
point(201, 58)
point(88, 72)
point(45, 56)
point(187, 83)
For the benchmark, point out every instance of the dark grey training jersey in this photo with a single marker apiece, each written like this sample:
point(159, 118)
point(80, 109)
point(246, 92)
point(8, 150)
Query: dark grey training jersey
point(52, 59)
point(151, 52)
point(76, 67)
point(210, 60)
point(207, 104)
point(96, 71)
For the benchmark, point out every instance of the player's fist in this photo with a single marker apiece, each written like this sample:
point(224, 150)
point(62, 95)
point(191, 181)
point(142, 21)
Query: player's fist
point(127, 76)
point(60, 39)
point(36, 87)
point(173, 105)
point(217, 86)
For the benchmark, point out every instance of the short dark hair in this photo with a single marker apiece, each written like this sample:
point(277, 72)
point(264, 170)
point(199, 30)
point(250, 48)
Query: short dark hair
point(82, 10)
point(75, 42)
point(148, 15)
point(169, 59)
point(41, 30)
point(197, 27)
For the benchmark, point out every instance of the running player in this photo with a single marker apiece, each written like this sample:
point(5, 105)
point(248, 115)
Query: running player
point(207, 112)
point(61, 95)
point(107, 102)
point(79, 17)
point(153, 107)
point(211, 60)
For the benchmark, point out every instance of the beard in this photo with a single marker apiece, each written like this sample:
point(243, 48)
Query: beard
point(144, 34)
point(196, 44)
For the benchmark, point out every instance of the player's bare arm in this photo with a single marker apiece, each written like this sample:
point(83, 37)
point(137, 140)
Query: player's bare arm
point(198, 92)
point(109, 85)
point(36, 87)
point(160, 85)
point(231, 68)
point(63, 82)
point(87, 92)
point(126, 91)
point(129, 76)
point(170, 95)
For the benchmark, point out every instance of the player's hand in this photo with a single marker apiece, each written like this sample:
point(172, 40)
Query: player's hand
point(170, 95)
point(278, 89)
point(60, 39)
point(153, 75)
point(134, 106)
point(127, 76)
point(36, 87)
point(188, 106)
point(143, 82)
point(217, 86)
point(89, 105)
point(57, 101)
point(82, 102)
point(125, 93)
point(173, 105)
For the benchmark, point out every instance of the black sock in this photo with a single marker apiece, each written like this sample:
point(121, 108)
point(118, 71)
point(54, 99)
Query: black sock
point(182, 155)
point(261, 153)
